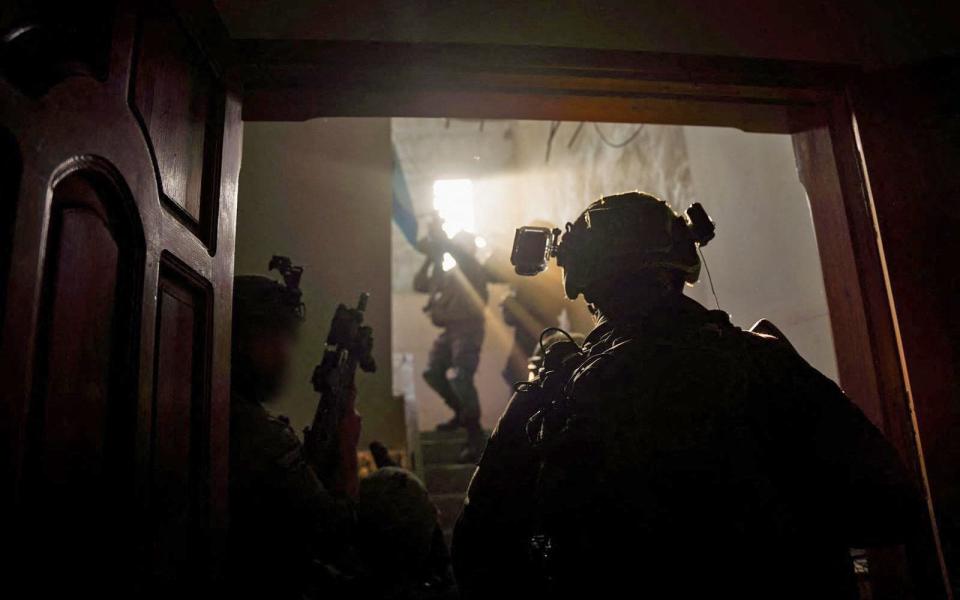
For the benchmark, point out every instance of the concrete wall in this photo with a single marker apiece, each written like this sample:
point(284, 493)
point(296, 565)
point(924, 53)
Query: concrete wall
point(764, 260)
point(320, 192)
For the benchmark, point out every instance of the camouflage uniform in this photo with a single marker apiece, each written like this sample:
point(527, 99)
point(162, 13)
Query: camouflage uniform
point(282, 518)
point(684, 458)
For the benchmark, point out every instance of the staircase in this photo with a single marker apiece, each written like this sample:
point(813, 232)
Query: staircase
point(445, 478)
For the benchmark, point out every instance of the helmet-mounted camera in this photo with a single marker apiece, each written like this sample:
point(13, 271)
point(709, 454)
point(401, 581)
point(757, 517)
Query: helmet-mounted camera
point(532, 249)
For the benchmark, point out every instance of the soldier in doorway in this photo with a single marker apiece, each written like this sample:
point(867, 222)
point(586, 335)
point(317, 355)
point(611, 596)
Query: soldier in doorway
point(282, 517)
point(457, 301)
point(291, 535)
point(673, 453)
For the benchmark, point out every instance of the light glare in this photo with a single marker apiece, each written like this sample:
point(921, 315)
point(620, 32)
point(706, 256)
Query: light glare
point(449, 261)
point(453, 201)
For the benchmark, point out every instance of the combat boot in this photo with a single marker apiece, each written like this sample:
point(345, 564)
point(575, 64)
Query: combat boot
point(452, 425)
point(476, 442)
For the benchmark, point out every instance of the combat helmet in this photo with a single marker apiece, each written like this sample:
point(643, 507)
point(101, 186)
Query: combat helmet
point(261, 302)
point(632, 230)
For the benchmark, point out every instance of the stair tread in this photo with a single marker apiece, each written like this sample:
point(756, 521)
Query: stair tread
point(451, 467)
point(458, 435)
point(448, 479)
point(443, 442)
point(442, 436)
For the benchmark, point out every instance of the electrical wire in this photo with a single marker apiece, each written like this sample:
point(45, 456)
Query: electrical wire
point(554, 126)
point(629, 139)
point(703, 259)
point(555, 330)
point(573, 138)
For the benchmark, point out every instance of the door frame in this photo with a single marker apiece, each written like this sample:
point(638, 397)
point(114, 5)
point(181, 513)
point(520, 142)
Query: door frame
point(291, 80)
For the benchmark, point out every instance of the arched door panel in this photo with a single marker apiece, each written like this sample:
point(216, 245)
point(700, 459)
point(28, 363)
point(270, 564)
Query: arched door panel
point(80, 440)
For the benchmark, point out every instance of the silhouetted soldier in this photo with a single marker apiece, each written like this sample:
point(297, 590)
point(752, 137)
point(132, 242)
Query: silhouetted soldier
point(674, 454)
point(282, 517)
point(458, 297)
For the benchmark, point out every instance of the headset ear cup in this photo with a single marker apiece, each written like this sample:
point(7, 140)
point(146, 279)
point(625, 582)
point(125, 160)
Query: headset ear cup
point(572, 283)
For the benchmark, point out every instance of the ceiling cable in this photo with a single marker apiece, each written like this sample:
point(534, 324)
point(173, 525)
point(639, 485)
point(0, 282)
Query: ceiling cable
point(554, 126)
point(629, 139)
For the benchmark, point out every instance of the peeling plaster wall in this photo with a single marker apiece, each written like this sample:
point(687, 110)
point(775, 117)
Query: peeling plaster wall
point(576, 174)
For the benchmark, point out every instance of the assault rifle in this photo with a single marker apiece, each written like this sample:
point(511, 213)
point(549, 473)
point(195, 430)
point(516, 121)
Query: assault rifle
point(349, 345)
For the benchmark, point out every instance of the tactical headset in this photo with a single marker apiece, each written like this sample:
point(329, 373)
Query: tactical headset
point(632, 228)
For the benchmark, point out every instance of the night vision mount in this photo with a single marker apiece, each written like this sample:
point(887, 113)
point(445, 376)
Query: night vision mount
point(291, 274)
point(533, 247)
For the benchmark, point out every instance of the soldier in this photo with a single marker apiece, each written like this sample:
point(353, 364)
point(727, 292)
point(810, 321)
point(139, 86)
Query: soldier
point(282, 517)
point(458, 297)
point(673, 452)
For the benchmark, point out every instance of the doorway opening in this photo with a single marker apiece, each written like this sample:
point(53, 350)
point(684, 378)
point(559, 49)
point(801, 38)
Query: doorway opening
point(351, 198)
point(764, 262)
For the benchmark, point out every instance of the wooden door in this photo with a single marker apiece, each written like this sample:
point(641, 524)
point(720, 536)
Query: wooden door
point(119, 157)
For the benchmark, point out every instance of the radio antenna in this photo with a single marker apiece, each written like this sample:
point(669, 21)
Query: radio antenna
point(709, 277)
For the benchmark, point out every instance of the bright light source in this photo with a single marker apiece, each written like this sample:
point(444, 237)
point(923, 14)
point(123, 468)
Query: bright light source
point(480, 242)
point(453, 201)
point(449, 261)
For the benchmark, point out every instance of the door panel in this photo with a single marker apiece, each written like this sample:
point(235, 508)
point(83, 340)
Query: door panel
point(73, 387)
point(180, 101)
point(80, 418)
point(181, 416)
point(116, 313)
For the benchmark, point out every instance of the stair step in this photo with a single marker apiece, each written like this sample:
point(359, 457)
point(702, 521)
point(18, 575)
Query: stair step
point(449, 506)
point(440, 452)
point(448, 479)
point(458, 435)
